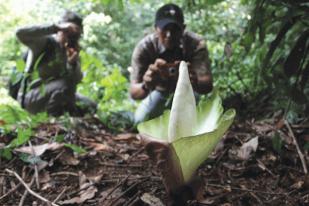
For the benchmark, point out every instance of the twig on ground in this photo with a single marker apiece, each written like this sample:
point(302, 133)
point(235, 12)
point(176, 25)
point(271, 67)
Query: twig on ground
point(118, 165)
point(64, 173)
point(256, 197)
point(29, 190)
point(132, 201)
point(36, 171)
point(300, 154)
point(135, 154)
point(10, 191)
point(116, 186)
point(23, 198)
point(16, 187)
point(60, 195)
point(246, 190)
point(113, 202)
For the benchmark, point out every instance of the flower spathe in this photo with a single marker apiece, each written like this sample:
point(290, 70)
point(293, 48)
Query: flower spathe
point(192, 131)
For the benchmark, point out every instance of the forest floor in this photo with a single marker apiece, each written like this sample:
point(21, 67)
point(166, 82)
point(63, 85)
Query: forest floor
point(115, 170)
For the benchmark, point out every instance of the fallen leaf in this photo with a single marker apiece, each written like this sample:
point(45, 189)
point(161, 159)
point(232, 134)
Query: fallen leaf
point(89, 193)
point(280, 124)
point(298, 185)
point(39, 149)
point(262, 128)
point(101, 147)
point(151, 200)
point(68, 159)
point(82, 180)
point(127, 136)
point(47, 186)
point(44, 177)
point(125, 156)
point(245, 151)
point(95, 178)
point(42, 164)
point(84, 195)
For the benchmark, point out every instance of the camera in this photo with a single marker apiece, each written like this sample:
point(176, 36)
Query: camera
point(172, 71)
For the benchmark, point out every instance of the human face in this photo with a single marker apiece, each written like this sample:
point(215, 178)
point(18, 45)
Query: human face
point(170, 35)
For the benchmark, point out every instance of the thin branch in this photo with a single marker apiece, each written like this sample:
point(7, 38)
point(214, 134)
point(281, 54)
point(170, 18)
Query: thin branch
point(300, 154)
point(113, 202)
point(29, 190)
point(10, 192)
point(115, 187)
point(60, 195)
point(36, 171)
point(23, 198)
point(246, 190)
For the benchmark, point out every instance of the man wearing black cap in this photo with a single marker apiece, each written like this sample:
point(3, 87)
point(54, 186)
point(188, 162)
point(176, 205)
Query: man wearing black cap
point(155, 61)
point(53, 67)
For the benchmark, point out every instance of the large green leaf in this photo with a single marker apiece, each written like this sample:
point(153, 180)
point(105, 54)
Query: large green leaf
point(156, 128)
point(193, 151)
point(208, 114)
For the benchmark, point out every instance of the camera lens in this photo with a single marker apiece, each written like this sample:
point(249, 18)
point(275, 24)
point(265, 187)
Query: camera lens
point(172, 70)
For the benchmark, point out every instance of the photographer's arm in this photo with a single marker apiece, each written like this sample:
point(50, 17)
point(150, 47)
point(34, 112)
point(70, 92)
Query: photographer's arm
point(200, 70)
point(35, 37)
point(143, 73)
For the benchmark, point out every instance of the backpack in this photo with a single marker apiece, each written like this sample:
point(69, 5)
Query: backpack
point(17, 76)
point(23, 69)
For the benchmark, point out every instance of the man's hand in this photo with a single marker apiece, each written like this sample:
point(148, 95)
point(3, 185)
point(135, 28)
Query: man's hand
point(151, 77)
point(72, 55)
point(69, 28)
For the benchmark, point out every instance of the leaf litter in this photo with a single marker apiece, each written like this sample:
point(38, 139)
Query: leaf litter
point(115, 169)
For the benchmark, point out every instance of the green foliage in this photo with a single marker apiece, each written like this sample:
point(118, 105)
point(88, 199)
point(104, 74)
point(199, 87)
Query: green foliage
point(277, 143)
point(75, 148)
point(306, 146)
point(279, 27)
point(32, 159)
point(108, 87)
point(16, 121)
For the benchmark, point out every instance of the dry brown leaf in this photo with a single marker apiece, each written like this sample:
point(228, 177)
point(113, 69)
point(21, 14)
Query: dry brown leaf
point(39, 149)
point(68, 159)
point(84, 195)
point(245, 151)
point(262, 128)
point(44, 177)
point(127, 136)
point(298, 184)
point(151, 200)
point(101, 147)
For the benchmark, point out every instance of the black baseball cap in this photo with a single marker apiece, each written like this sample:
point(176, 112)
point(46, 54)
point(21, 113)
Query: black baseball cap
point(167, 14)
point(72, 17)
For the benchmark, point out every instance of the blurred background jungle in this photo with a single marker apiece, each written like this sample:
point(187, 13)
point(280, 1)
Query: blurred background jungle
point(258, 49)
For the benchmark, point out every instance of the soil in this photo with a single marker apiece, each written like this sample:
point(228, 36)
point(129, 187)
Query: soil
point(115, 170)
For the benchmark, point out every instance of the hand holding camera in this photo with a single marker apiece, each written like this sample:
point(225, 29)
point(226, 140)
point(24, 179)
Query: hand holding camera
point(71, 34)
point(162, 70)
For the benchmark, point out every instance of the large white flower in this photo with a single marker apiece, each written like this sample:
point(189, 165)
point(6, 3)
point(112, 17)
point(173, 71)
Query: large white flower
point(190, 132)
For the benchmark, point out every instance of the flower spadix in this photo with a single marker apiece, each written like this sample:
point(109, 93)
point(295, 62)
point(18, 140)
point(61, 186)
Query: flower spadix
point(191, 132)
